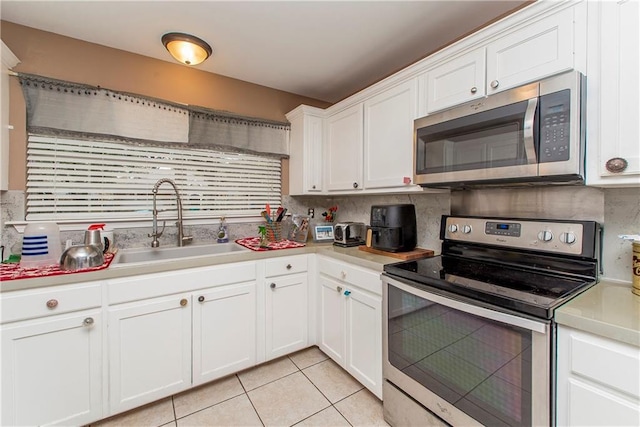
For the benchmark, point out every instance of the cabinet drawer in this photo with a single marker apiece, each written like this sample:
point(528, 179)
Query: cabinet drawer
point(172, 282)
point(20, 305)
point(612, 364)
point(285, 265)
point(363, 278)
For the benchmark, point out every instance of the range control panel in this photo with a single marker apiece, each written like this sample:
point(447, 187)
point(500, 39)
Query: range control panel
point(544, 235)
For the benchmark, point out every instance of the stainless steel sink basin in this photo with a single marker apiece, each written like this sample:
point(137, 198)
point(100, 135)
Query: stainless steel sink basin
point(149, 255)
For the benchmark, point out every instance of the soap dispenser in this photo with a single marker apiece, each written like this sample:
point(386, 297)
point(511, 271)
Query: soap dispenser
point(223, 236)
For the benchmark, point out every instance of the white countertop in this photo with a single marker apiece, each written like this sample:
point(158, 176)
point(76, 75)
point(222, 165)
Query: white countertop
point(352, 255)
point(608, 309)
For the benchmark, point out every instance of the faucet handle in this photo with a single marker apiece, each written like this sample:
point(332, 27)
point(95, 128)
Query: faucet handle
point(157, 233)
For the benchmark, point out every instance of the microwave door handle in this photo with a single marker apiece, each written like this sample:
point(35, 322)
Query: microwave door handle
point(527, 131)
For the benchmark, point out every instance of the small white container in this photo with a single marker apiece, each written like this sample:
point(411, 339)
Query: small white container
point(41, 245)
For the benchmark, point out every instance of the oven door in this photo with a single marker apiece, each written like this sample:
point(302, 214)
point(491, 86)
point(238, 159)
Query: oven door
point(467, 364)
point(486, 140)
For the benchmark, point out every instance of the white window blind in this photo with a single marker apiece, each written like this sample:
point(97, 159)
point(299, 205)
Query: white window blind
point(71, 179)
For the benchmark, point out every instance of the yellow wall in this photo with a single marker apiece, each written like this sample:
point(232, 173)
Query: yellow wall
point(64, 58)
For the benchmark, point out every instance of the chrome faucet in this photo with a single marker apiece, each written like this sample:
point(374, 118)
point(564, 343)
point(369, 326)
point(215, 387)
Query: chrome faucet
point(182, 239)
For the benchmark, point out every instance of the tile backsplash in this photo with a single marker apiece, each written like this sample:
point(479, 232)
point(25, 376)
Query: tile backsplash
point(617, 209)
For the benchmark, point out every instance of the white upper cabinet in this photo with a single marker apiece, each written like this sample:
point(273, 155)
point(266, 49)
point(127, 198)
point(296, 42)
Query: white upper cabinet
point(613, 108)
point(344, 149)
point(388, 137)
point(9, 61)
point(454, 82)
point(305, 150)
point(368, 137)
point(540, 49)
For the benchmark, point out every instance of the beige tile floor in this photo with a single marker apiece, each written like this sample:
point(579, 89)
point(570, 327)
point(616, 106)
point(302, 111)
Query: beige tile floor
point(302, 389)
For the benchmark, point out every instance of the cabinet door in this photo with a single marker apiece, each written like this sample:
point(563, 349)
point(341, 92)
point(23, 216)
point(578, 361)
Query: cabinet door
point(286, 315)
point(149, 350)
point(388, 136)
point(593, 406)
point(613, 77)
point(332, 329)
point(224, 331)
point(364, 338)
point(344, 149)
point(305, 151)
point(456, 81)
point(52, 370)
point(538, 50)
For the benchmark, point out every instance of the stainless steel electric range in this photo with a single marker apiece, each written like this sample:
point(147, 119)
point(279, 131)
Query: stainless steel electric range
point(469, 335)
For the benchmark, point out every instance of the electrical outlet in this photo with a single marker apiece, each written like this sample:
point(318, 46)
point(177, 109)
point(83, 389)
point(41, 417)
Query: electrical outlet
point(310, 212)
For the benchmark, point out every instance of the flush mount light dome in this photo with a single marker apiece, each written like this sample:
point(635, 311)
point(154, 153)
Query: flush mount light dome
point(185, 48)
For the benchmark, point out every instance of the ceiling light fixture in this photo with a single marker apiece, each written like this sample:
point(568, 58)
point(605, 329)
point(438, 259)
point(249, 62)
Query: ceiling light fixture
point(185, 48)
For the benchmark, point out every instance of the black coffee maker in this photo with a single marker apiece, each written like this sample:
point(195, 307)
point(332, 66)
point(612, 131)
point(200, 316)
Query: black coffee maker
point(393, 227)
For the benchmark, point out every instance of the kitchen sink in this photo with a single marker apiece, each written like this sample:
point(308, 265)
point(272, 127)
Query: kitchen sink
point(149, 255)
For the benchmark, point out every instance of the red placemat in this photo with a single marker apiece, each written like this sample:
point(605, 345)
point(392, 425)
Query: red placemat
point(253, 243)
point(14, 271)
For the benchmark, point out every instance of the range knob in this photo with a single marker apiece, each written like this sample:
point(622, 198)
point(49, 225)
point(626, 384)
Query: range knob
point(568, 238)
point(545, 236)
point(453, 228)
point(466, 229)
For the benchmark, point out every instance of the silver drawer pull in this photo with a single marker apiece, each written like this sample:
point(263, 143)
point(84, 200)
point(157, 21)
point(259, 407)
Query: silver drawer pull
point(339, 289)
point(52, 303)
point(272, 286)
point(288, 266)
point(88, 321)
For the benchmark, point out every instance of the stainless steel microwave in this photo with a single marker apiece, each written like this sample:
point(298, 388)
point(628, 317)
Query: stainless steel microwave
point(532, 133)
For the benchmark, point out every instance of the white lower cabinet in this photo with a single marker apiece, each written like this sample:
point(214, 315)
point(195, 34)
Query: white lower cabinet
point(224, 331)
point(350, 323)
point(286, 306)
point(598, 380)
point(165, 341)
point(149, 350)
point(52, 363)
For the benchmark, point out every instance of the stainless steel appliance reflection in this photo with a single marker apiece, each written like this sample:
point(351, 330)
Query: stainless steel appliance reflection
point(469, 336)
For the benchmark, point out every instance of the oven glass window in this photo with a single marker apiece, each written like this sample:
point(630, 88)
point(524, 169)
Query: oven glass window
point(480, 366)
point(484, 140)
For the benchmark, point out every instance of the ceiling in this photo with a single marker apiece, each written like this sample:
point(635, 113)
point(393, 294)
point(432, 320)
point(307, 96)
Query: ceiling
point(325, 50)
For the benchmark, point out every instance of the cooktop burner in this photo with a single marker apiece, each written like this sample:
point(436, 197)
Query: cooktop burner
point(526, 266)
point(521, 290)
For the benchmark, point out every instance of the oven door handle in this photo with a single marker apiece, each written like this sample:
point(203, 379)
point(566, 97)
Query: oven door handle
point(498, 316)
point(527, 131)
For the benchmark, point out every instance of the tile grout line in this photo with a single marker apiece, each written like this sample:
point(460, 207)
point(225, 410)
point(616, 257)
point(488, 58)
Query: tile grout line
point(246, 393)
point(331, 404)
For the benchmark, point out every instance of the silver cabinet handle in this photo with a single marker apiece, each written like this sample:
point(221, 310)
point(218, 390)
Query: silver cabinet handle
point(616, 165)
point(183, 302)
point(272, 286)
point(355, 185)
point(201, 299)
point(88, 321)
point(474, 89)
point(495, 84)
point(52, 303)
point(339, 289)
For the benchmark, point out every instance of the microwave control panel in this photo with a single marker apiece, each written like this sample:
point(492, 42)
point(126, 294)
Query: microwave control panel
point(554, 126)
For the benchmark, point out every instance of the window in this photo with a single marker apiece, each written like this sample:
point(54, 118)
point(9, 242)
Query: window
point(69, 179)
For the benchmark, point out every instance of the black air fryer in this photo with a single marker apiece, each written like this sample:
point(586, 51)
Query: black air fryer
point(393, 227)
